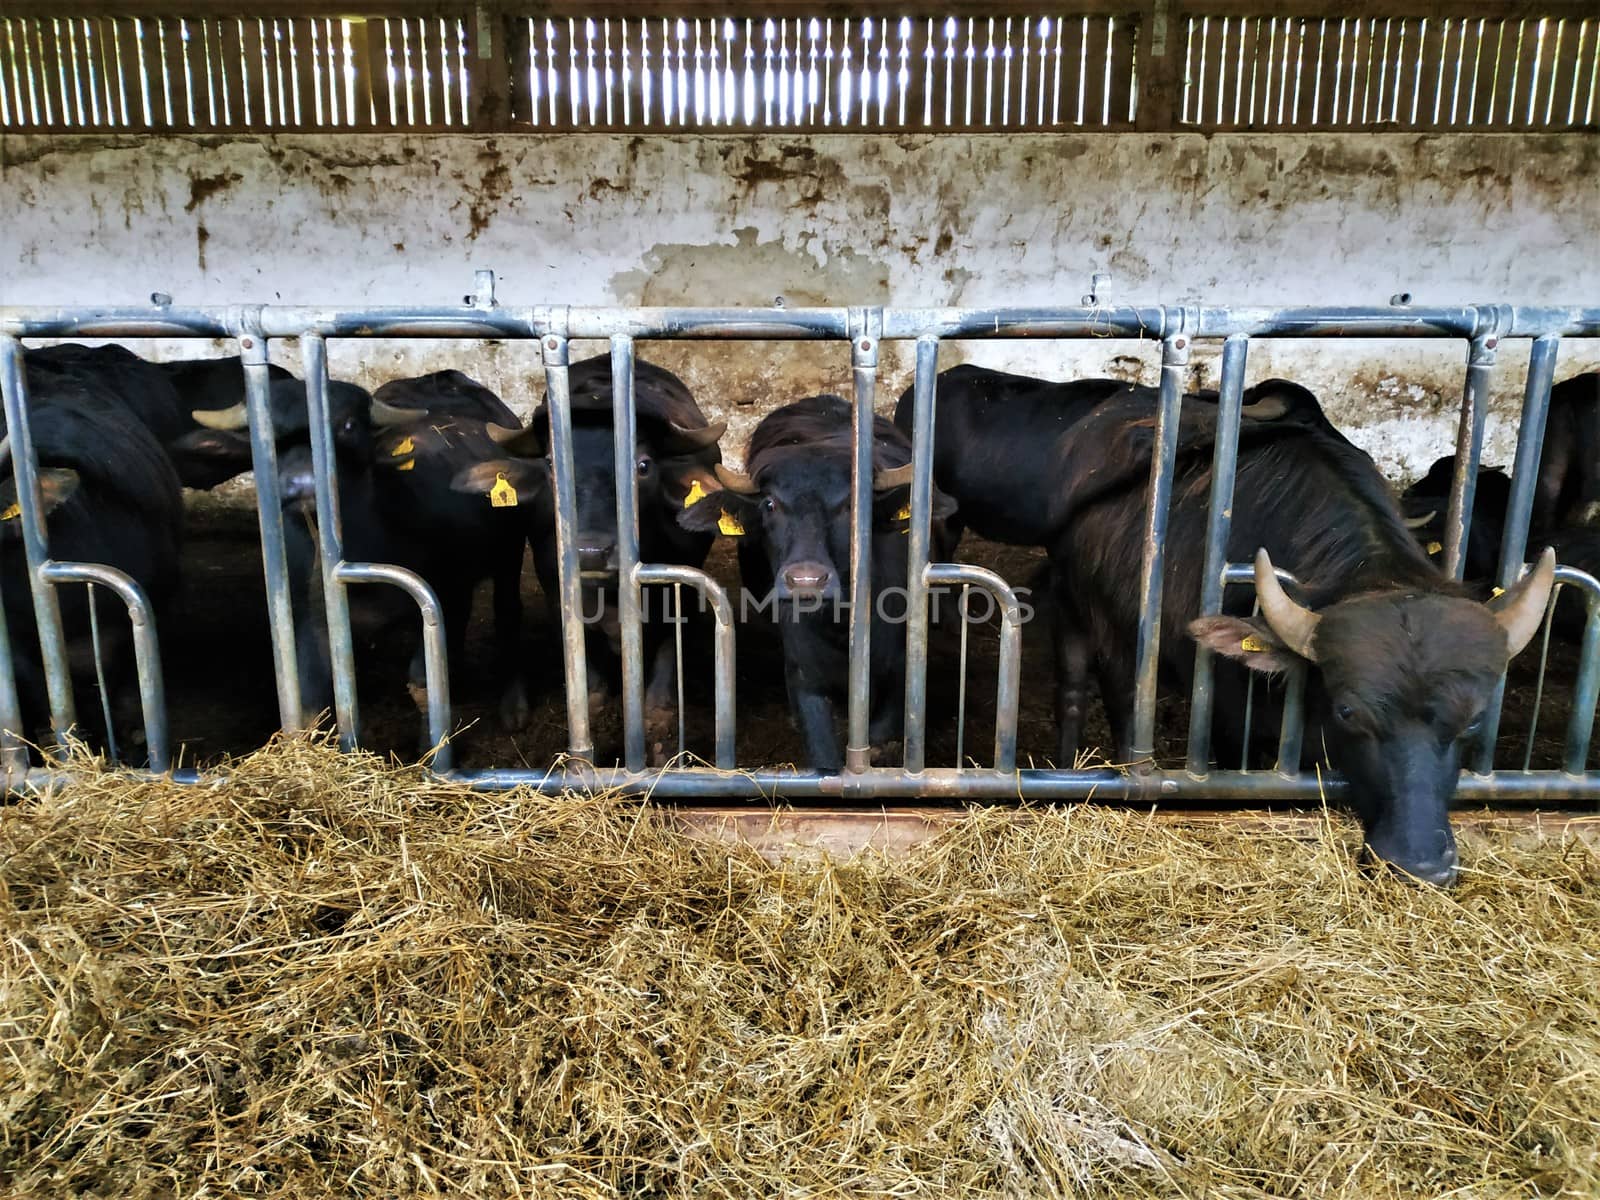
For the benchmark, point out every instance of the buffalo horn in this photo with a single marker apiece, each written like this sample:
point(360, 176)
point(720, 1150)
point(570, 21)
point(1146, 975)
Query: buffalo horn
point(1269, 409)
point(1294, 624)
point(226, 419)
point(384, 415)
point(891, 477)
point(698, 439)
point(1422, 521)
point(501, 434)
point(734, 482)
point(1522, 611)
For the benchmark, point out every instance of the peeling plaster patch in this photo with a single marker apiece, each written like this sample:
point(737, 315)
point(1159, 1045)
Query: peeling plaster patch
point(751, 272)
point(203, 187)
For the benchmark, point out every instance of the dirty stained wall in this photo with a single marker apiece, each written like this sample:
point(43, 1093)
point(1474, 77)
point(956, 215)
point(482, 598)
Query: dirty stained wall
point(837, 219)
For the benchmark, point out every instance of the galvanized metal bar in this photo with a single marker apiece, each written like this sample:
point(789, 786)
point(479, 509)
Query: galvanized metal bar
point(1009, 676)
point(146, 647)
point(35, 542)
point(917, 550)
point(628, 606)
point(1586, 690)
point(100, 676)
point(1524, 479)
point(558, 402)
point(253, 349)
point(435, 653)
point(470, 321)
point(330, 540)
point(1469, 451)
point(864, 327)
point(13, 740)
point(722, 647)
point(1219, 522)
point(1291, 732)
point(1174, 365)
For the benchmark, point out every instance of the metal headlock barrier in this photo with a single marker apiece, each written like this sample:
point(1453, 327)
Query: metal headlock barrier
point(1483, 328)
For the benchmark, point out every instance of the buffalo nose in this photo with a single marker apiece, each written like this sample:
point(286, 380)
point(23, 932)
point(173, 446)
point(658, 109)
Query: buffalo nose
point(297, 486)
point(594, 551)
point(1441, 871)
point(807, 578)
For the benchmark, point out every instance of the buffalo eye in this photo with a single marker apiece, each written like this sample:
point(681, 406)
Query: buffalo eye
point(1474, 726)
point(643, 468)
point(348, 426)
point(769, 505)
point(1344, 712)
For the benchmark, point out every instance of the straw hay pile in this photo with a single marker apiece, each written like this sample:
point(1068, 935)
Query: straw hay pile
point(322, 978)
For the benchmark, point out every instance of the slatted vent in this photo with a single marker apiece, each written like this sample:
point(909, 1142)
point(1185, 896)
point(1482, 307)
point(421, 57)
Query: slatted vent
point(221, 73)
point(869, 72)
point(1407, 73)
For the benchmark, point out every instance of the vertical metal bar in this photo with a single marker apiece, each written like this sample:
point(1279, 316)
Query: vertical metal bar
point(1580, 723)
point(917, 552)
point(1224, 469)
point(865, 327)
point(13, 744)
point(628, 615)
point(1174, 363)
point(269, 513)
point(1469, 450)
point(46, 607)
point(100, 676)
point(961, 680)
point(1292, 732)
point(330, 539)
point(1525, 477)
point(558, 403)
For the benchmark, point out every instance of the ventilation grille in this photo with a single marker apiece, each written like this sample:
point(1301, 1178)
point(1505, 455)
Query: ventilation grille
point(221, 73)
point(1410, 73)
point(872, 72)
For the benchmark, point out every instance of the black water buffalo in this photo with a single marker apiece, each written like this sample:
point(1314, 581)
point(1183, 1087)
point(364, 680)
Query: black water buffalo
point(110, 497)
point(163, 396)
point(791, 514)
point(1404, 660)
point(1000, 442)
point(396, 454)
point(675, 452)
point(1568, 492)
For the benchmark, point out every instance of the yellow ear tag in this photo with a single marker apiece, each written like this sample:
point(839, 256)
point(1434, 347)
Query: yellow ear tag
point(502, 494)
point(12, 513)
point(1253, 644)
point(904, 514)
point(1434, 547)
point(1495, 595)
point(409, 465)
point(729, 524)
point(696, 494)
point(402, 448)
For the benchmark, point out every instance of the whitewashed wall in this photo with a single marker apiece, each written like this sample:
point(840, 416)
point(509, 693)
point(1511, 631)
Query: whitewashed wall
point(977, 220)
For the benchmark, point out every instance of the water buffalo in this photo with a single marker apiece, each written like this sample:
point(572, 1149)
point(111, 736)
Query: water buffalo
point(111, 497)
point(1405, 661)
point(1568, 492)
point(397, 453)
point(675, 451)
point(791, 514)
point(163, 396)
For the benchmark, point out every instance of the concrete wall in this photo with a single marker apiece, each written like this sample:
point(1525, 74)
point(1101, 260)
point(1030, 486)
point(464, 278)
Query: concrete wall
point(954, 219)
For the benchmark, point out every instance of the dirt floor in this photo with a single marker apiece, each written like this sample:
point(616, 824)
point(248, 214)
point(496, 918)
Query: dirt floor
point(219, 674)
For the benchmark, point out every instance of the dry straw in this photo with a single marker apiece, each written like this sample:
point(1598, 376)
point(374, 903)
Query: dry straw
point(326, 977)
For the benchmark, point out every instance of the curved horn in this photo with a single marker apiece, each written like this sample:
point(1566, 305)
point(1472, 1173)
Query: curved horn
point(1295, 624)
point(502, 434)
point(891, 477)
point(225, 419)
point(734, 482)
point(1269, 409)
point(1423, 521)
point(698, 439)
point(384, 415)
point(1522, 611)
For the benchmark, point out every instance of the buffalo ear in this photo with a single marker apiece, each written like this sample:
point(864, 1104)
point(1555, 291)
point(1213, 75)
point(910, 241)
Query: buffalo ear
point(505, 482)
point(893, 507)
point(213, 446)
point(722, 511)
point(56, 485)
point(396, 449)
point(1256, 646)
point(684, 486)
